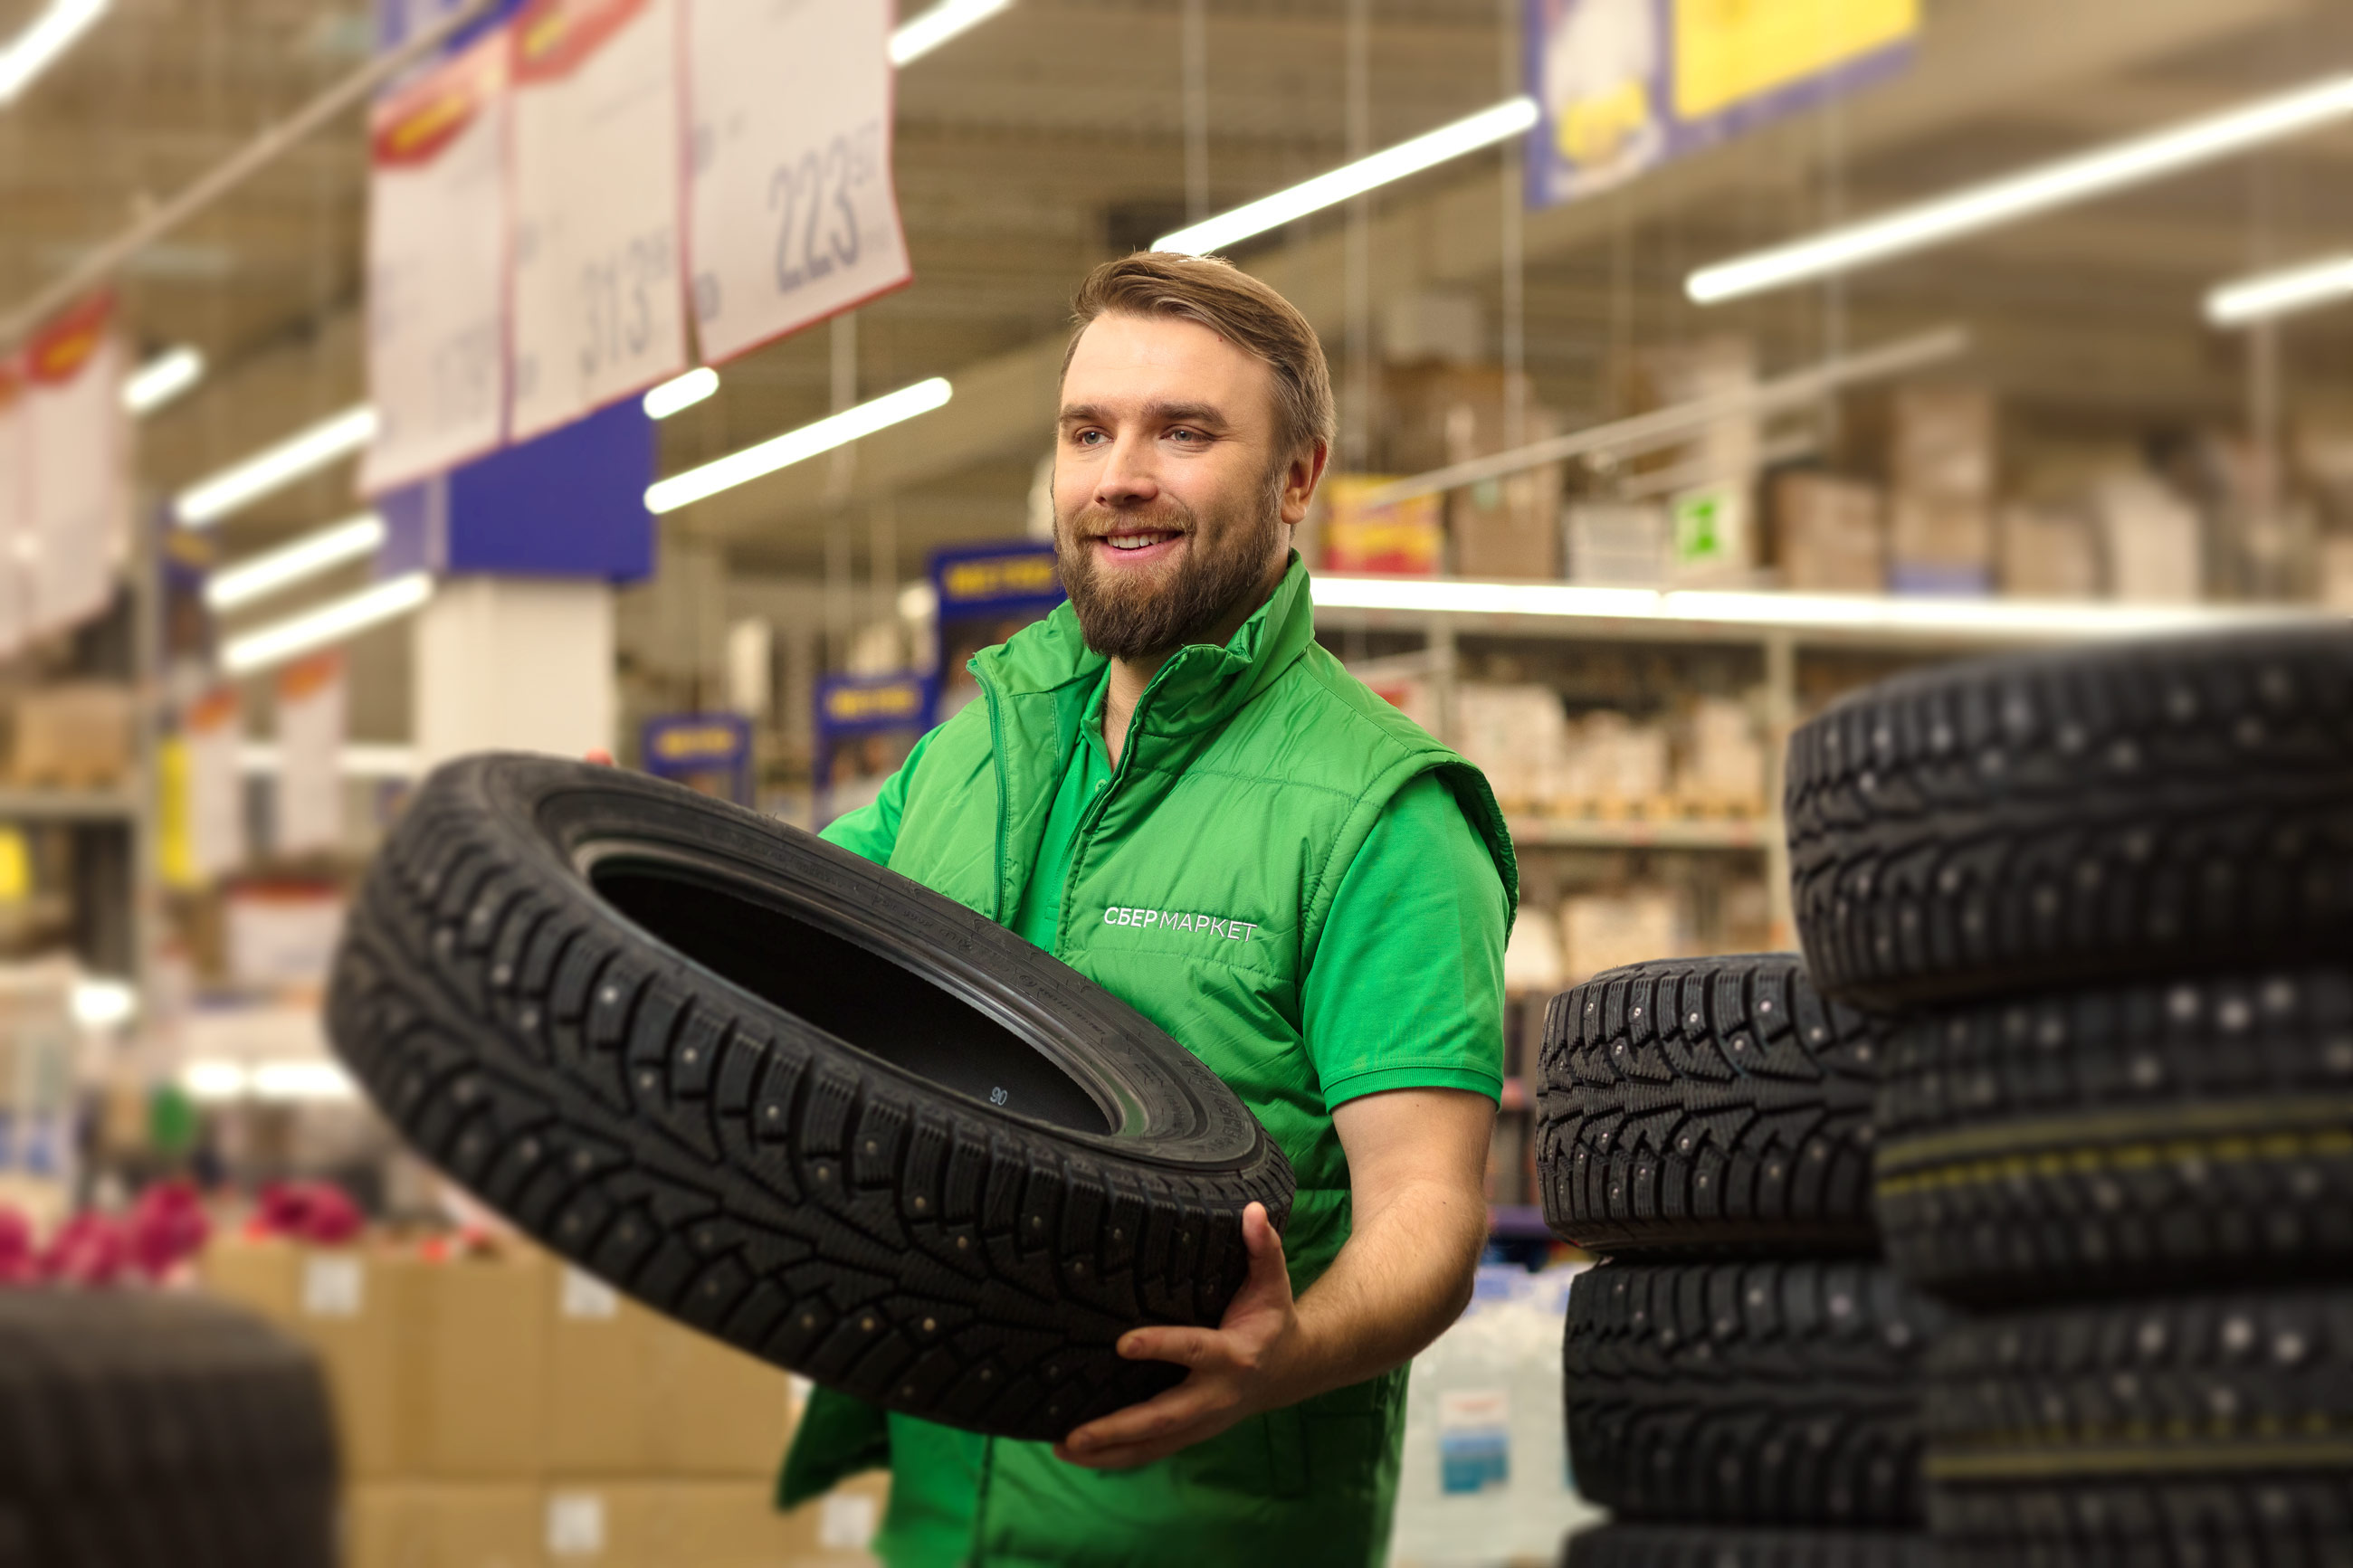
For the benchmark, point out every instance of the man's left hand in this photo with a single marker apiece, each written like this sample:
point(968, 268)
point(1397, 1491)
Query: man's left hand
point(1250, 1362)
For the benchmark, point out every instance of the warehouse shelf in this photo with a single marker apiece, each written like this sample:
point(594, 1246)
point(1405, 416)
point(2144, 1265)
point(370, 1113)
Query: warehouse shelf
point(1570, 609)
point(42, 804)
point(1629, 833)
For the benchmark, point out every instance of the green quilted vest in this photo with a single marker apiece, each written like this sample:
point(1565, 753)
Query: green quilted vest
point(1198, 891)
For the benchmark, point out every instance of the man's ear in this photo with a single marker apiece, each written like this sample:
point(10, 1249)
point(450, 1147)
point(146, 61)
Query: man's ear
point(1299, 480)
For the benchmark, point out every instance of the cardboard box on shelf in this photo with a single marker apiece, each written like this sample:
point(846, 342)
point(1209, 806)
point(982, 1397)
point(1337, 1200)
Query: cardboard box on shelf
point(605, 1523)
point(1941, 442)
point(1434, 413)
point(358, 1310)
point(1940, 545)
point(439, 1525)
point(1516, 736)
point(1625, 544)
point(1400, 539)
point(1506, 527)
point(2336, 571)
point(2154, 542)
point(483, 1386)
point(1603, 930)
point(1614, 767)
point(74, 734)
point(1721, 763)
point(1830, 534)
point(835, 1531)
point(716, 1411)
point(2049, 552)
point(1532, 956)
point(1502, 527)
point(600, 1378)
point(1666, 374)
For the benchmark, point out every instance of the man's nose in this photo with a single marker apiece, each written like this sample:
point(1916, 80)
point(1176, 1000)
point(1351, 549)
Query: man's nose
point(1126, 478)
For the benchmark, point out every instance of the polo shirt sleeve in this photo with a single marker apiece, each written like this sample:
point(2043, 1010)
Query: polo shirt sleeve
point(1406, 990)
point(872, 830)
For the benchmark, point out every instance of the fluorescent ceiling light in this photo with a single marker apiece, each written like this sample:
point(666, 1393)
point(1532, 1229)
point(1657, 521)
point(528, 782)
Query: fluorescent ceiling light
point(937, 26)
point(329, 624)
point(796, 446)
point(2273, 294)
point(162, 379)
point(210, 500)
point(1886, 615)
point(2038, 190)
point(264, 574)
point(102, 1004)
point(1483, 129)
point(47, 37)
point(682, 391)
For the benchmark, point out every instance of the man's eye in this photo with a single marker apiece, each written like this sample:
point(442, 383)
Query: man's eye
point(1185, 436)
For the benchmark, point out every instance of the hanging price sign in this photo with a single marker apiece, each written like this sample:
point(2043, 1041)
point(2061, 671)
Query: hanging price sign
point(599, 307)
point(792, 213)
point(437, 268)
point(80, 496)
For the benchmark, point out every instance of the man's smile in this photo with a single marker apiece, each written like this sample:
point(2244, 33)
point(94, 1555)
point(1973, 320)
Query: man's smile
point(1134, 546)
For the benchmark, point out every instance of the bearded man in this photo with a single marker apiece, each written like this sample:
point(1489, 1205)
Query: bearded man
point(1173, 738)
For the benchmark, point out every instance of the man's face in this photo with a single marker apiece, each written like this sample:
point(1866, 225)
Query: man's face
point(1171, 497)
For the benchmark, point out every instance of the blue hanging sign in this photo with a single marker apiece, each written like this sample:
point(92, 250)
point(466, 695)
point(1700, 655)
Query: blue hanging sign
point(865, 725)
point(701, 750)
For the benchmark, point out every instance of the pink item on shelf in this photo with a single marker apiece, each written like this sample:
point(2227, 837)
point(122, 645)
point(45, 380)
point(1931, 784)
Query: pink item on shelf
point(316, 1211)
point(167, 1226)
point(20, 1263)
point(89, 1249)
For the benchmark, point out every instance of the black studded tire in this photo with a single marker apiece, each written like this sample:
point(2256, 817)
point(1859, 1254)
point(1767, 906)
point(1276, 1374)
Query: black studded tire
point(2080, 1141)
point(792, 1099)
point(1731, 1546)
point(1710, 1104)
point(1751, 1393)
point(2129, 810)
point(2187, 1430)
point(143, 1429)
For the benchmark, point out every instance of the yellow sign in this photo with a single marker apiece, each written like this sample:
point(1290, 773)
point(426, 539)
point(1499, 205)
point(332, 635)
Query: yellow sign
point(694, 742)
point(998, 577)
point(1728, 51)
point(848, 704)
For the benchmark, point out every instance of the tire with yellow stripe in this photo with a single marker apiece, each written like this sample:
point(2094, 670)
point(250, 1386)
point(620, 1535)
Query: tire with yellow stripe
point(2191, 1429)
point(2063, 1144)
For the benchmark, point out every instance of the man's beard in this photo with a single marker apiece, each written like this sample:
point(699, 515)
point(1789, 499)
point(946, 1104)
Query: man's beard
point(1122, 619)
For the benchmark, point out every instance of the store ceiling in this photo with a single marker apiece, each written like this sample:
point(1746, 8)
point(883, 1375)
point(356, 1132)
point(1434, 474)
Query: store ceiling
point(1052, 136)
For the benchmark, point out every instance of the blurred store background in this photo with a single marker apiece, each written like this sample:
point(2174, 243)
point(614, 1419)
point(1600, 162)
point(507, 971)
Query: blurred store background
point(1697, 363)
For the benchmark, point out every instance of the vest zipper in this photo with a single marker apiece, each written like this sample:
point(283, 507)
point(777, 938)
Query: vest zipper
point(1004, 791)
point(1095, 807)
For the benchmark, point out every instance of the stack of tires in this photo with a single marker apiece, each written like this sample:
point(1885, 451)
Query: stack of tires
point(2102, 901)
point(1742, 1372)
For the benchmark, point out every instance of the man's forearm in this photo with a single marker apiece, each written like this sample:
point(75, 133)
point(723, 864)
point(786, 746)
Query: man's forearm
point(1402, 1278)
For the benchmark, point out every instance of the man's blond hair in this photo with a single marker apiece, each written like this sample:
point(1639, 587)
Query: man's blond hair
point(1213, 291)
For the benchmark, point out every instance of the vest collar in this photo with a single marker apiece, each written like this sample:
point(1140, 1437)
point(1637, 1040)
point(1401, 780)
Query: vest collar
point(1200, 687)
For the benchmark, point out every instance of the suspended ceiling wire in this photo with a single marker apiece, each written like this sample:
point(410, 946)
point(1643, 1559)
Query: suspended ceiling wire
point(1355, 434)
point(1194, 56)
point(1511, 198)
